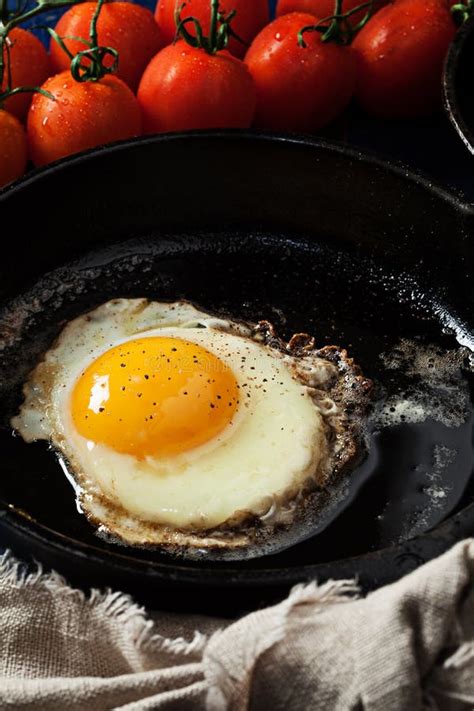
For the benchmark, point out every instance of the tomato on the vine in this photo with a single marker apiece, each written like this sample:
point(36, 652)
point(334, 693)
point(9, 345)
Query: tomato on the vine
point(400, 55)
point(130, 29)
point(186, 88)
point(196, 83)
point(29, 66)
point(80, 115)
point(13, 151)
point(300, 88)
point(251, 16)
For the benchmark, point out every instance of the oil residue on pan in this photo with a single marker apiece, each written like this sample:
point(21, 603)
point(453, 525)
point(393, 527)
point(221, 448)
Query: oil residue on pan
point(426, 408)
point(420, 447)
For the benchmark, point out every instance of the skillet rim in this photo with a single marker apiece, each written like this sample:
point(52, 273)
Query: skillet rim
point(450, 95)
point(456, 198)
point(435, 542)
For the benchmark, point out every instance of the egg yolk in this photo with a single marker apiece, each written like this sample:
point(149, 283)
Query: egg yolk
point(154, 396)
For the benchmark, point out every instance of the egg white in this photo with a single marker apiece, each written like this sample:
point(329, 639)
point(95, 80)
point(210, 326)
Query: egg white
point(275, 443)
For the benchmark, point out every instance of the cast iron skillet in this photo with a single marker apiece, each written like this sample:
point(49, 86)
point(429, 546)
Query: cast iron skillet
point(457, 83)
point(309, 234)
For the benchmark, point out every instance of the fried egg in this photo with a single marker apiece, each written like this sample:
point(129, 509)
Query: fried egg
point(178, 428)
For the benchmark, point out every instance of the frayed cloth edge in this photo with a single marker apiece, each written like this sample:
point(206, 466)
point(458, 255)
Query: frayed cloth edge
point(117, 606)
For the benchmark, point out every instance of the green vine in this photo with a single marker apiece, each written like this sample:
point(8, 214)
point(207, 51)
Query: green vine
point(89, 64)
point(463, 11)
point(8, 21)
point(220, 30)
point(337, 28)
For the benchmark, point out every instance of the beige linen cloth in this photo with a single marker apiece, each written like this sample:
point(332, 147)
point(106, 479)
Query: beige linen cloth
point(407, 646)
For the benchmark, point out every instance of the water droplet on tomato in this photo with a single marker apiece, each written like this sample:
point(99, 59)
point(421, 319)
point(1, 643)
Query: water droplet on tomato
point(44, 121)
point(59, 94)
point(278, 36)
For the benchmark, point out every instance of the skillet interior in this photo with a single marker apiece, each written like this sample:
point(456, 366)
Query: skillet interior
point(307, 234)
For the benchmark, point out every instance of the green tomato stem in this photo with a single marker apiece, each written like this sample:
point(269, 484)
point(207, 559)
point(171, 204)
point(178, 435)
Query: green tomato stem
point(89, 64)
point(463, 11)
point(336, 28)
point(10, 20)
point(220, 29)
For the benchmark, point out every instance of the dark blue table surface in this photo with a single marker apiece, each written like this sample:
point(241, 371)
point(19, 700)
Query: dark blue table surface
point(430, 146)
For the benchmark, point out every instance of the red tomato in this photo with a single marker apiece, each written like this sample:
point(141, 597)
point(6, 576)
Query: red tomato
point(400, 55)
point(299, 88)
point(82, 115)
point(29, 65)
point(185, 88)
point(130, 29)
point(12, 148)
point(251, 16)
point(323, 8)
